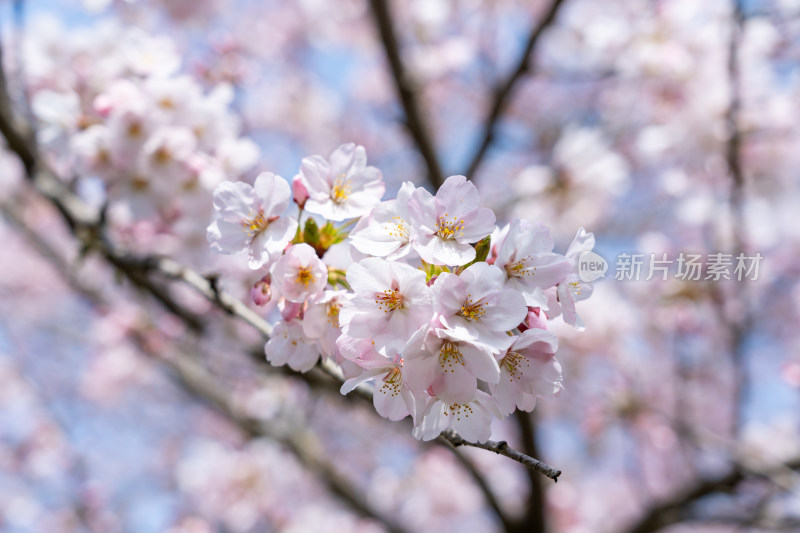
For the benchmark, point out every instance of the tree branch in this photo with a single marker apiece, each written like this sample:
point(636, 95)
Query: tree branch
point(406, 91)
point(675, 509)
point(504, 90)
point(200, 384)
point(502, 448)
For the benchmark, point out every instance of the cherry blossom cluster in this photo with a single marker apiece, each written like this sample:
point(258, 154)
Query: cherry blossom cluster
point(115, 106)
point(422, 294)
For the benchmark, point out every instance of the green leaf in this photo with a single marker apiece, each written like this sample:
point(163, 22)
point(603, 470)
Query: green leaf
point(311, 233)
point(482, 248)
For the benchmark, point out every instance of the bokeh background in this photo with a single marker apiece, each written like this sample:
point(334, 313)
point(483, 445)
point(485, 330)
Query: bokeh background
point(662, 126)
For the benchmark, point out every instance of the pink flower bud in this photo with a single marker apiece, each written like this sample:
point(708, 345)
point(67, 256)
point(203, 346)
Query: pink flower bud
point(262, 291)
point(536, 319)
point(299, 191)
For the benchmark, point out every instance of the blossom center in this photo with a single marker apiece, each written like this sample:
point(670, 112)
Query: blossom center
point(392, 382)
point(449, 227)
point(397, 228)
point(390, 300)
point(341, 189)
point(450, 357)
point(523, 267)
point(257, 224)
point(333, 314)
point(473, 310)
point(162, 155)
point(513, 363)
point(458, 409)
point(304, 276)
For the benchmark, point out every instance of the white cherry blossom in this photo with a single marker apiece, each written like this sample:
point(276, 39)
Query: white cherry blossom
point(391, 302)
point(249, 218)
point(477, 303)
point(525, 253)
point(299, 274)
point(447, 223)
point(343, 186)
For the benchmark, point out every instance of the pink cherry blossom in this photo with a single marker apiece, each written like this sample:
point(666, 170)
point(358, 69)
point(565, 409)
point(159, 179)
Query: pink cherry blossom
point(527, 371)
point(391, 302)
point(299, 274)
point(476, 302)
point(525, 253)
point(447, 223)
point(450, 362)
point(249, 218)
point(573, 289)
point(342, 187)
point(471, 419)
point(321, 320)
point(289, 346)
point(392, 397)
point(387, 231)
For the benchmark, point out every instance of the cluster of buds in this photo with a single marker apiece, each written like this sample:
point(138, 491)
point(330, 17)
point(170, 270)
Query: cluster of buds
point(422, 294)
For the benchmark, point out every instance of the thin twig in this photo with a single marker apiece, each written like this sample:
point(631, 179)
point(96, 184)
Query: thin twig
point(502, 448)
point(504, 90)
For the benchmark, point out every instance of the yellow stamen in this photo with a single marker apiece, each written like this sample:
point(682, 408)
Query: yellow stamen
point(304, 276)
point(390, 300)
point(333, 314)
point(515, 364)
point(449, 357)
point(257, 224)
point(523, 267)
point(449, 229)
point(458, 409)
point(341, 189)
point(392, 382)
point(472, 310)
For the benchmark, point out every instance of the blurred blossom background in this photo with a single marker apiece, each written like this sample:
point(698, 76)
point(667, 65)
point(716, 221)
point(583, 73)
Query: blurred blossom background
point(662, 126)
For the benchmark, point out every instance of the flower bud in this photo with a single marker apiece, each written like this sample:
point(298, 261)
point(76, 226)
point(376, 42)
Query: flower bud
point(536, 319)
point(299, 191)
point(262, 291)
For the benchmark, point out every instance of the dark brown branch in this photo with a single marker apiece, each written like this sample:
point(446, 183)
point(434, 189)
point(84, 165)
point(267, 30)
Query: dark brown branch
point(502, 448)
point(505, 89)
point(406, 91)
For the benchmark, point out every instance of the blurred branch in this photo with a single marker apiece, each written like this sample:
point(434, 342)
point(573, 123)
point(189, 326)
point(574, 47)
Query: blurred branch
point(675, 509)
point(505, 89)
point(302, 444)
point(89, 229)
point(406, 91)
point(199, 383)
point(534, 519)
point(737, 326)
